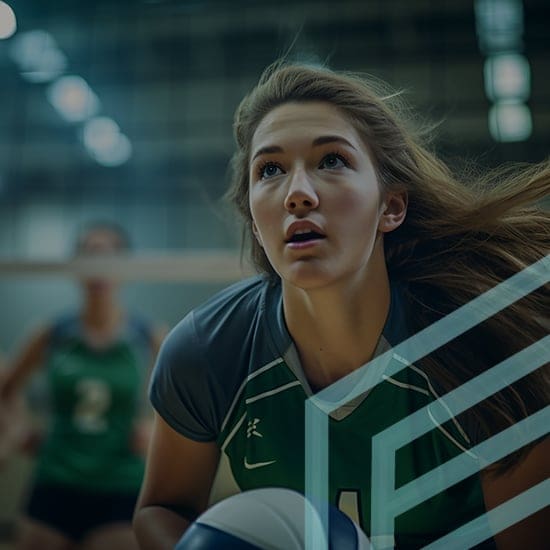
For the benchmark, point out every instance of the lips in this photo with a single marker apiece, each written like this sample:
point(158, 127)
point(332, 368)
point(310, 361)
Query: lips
point(303, 231)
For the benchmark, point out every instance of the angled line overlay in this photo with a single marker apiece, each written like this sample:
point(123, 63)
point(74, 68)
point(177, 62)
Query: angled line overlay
point(385, 444)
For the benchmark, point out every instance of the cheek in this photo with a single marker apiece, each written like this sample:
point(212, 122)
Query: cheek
point(261, 207)
point(253, 204)
point(355, 204)
point(259, 224)
point(356, 214)
point(255, 208)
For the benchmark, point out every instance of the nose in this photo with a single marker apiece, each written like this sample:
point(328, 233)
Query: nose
point(301, 194)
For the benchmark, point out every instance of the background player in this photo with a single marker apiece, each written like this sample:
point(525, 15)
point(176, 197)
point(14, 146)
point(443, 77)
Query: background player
point(90, 464)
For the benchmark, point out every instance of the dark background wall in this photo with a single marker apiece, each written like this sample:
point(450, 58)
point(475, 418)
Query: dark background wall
point(171, 73)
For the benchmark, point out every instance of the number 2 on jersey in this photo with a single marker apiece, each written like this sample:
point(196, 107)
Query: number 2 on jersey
point(93, 401)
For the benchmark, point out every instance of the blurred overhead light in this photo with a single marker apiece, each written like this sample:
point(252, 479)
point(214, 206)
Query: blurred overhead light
point(8, 23)
point(117, 155)
point(507, 76)
point(73, 98)
point(510, 121)
point(499, 24)
point(498, 15)
point(100, 133)
point(38, 57)
point(105, 142)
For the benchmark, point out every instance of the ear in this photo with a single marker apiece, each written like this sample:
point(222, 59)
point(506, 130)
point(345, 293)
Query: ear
point(256, 233)
point(394, 211)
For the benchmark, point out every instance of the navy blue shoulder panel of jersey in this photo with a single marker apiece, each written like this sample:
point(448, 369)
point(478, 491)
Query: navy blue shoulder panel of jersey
point(65, 326)
point(140, 327)
point(208, 355)
point(69, 325)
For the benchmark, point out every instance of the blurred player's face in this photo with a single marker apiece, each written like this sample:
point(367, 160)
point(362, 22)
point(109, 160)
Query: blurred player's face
point(316, 203)
point(99, 242)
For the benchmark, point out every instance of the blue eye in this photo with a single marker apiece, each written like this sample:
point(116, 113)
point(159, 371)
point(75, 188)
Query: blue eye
point(333, 161)
point(269, 170)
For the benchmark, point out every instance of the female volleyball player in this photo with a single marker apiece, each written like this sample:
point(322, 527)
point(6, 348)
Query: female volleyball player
point(90, 464)
point(363, 238)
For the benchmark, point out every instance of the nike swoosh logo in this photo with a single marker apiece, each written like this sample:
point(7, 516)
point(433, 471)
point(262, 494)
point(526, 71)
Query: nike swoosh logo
point(249, 466)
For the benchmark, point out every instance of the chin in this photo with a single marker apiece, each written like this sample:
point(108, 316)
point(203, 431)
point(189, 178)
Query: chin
point(307, 277)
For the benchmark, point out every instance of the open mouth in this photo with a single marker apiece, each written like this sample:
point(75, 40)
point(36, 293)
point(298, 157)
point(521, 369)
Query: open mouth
point(305, 236)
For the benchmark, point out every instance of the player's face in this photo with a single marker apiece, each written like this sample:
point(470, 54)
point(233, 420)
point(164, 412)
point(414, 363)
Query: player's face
point(99, 242)
point(315, 198)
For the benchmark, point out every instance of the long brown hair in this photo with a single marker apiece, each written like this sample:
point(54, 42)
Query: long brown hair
point(459, 238)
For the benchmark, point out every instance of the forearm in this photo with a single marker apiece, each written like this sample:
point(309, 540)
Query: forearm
point(158, 528)
point(24, 365)
point(10, 386)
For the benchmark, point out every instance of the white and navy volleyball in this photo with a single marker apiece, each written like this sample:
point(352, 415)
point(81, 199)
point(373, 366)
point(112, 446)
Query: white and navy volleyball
point(268, 519)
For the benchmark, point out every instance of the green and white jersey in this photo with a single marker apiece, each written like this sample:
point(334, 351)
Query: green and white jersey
point(95, 395)
point(230, 373)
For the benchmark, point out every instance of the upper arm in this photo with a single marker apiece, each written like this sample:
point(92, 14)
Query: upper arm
point(534, 531)
point(28, 359)
point(180, 472)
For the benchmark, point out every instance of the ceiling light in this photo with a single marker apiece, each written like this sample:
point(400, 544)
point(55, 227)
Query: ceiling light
point(73, 98)
point(37, 55)
point(105, 142)
point(8, 23)
point(509, 121)
point(507, 76)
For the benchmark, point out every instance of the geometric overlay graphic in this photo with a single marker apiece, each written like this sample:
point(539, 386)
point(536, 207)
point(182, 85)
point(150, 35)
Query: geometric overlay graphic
point(387, 502)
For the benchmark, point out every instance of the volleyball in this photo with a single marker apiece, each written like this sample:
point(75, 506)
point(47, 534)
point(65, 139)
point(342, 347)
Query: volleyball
point(268, 519)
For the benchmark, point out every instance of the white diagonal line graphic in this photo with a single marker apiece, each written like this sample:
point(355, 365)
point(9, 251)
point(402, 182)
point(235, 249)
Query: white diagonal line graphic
point(413, 349)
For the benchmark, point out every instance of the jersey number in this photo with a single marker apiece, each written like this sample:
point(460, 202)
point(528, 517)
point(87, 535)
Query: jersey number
point(93, 402)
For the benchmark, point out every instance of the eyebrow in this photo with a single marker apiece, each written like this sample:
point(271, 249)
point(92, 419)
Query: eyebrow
point(321, 140)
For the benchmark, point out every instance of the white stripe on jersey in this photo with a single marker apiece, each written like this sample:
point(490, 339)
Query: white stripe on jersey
point(233, 432)
point(273, 392)
point(243, 385)
point(439, 400)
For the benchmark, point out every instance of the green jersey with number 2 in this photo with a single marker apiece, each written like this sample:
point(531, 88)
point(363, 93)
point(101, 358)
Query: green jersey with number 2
point(95, 396)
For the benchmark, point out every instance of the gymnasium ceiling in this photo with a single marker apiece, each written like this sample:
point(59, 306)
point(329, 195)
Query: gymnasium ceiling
point(170, 73)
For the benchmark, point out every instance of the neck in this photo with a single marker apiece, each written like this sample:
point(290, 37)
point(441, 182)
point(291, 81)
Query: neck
point(336, 329)
point(101, 313)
